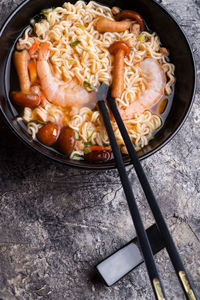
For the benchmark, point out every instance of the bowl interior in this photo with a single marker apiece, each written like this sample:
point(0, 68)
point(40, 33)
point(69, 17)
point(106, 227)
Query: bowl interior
point(157, 19)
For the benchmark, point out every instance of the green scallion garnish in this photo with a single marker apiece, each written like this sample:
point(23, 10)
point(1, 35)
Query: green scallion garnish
point(82, 27)
point(151, 138)
point(38, 122)
point(90, 133)
point(141, 37)
point(76, 135)
point(87, 144)
point(87, 84)
point(76, 155)
point(70, 61)
point(74, 44)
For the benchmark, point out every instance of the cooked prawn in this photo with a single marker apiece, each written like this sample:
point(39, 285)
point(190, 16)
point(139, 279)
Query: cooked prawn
point(155, 77)
point(56, 91)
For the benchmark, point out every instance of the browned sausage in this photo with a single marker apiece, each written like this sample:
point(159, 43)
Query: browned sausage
point(102, 155)
point(107, 25)
point(48, 134)
point(132, 15)
point(66, 140)
point(21, 65)
point(25, 100)
point(120, 50)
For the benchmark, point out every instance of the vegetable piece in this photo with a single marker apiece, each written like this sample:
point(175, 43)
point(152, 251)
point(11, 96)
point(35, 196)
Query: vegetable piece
point(21, 65)
point(151, 138)
point(74, 44)
point(90, 133)
point(76, 155)
point(32, 70)
point(45, 11)
point(48, 134)
point(66, 140)
point(70, 61)
point(87, 84)
point(38, 122)
point(87, 144)
point(76, 135)
point(82, 27)
point(141, 37)
point(98, 156)
point(25, 100)
point(33, 48)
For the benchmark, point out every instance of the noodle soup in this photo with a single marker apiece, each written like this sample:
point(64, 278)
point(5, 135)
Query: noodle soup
point(61, 60)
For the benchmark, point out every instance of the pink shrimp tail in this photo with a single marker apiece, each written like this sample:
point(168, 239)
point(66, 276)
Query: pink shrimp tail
point(44, 51)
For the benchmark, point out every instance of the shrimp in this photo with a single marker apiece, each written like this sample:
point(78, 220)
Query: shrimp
point(56, 91)
point(156, 80)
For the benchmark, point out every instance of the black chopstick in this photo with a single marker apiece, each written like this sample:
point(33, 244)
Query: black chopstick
point(170, 246)
point(141, 233)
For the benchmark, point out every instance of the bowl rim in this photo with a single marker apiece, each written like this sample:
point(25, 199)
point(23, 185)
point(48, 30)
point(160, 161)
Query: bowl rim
point(103, 166)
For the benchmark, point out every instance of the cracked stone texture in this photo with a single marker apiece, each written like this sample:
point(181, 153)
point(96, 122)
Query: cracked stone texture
point(57, 223)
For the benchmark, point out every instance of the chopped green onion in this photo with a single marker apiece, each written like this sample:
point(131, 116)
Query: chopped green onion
point(45, 12)
point(87, 84)
point(51, 112)
point(70, 61)
point(39, 122)
point(74, 44)
point(82, 27)
point(90, 133)
point(152, 138)
point(87, 144)
point(76, 135)
point(106, 145)
point(76, 155)
point(141, 37)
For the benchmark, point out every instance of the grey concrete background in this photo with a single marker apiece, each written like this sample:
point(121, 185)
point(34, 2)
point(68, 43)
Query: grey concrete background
point(57, 223)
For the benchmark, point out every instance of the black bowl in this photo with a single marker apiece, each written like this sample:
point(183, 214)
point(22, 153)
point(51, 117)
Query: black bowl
point(158, 20)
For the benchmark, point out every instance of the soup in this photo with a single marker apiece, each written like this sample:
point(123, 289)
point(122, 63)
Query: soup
point(64, 56)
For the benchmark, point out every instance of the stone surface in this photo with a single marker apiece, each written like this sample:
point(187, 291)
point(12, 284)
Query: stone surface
point(57, 223)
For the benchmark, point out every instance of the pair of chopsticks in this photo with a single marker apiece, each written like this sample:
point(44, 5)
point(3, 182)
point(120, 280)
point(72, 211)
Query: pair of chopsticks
point(139, 227)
